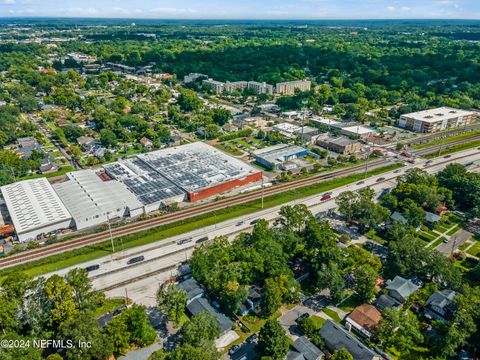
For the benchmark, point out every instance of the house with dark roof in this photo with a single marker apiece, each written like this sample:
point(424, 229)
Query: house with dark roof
point(396, 216)
point(400, 288)
point(252, 303)
point(200, 304)
point(363, 319)
point(192, 288)
point(439, 305)
point(337, 338)
point(304, 349)
point(432, 218)
point(386, 302)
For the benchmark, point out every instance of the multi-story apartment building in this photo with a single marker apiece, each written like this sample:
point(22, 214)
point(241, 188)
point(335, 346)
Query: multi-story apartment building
point(288, 88)
point(217, 86)
point(434, 120)
point(260, 87)
point(235, 86)
point(192, 77)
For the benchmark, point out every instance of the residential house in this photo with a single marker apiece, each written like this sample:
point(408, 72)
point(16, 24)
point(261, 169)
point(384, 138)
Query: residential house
point(363, 319)
point(386, 302)
point(230, 127)
point(304, 349)
point(146, 143)
point(337, 338)
point(432, 218)
point(252, 303)
point(439, 305)
point(401, 289)
point(396, 216)
point(192, 288)
point(85, 141)
point(201, 304)
point(26, 146)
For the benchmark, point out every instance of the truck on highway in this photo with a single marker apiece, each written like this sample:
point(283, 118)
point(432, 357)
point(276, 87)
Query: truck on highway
point(184, 241)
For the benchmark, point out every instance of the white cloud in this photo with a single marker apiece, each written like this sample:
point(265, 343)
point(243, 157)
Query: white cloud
point(391, 8)
point(173, 11)
point(8, 2)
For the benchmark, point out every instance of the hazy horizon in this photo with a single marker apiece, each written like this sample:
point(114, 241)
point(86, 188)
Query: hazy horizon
point(245, 10)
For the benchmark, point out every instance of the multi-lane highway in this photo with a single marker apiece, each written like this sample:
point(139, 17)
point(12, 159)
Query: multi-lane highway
point(183, 214)
point(162, 258)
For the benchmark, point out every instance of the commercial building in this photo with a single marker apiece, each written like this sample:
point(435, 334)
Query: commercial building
point(200, 169)
point(151, 189)
point(288, 88)
point(433, 120)
point(341, 145)
point(358, 131)
point(92, 202)
point(35, 208)
point(287, 129)
point(273, 157)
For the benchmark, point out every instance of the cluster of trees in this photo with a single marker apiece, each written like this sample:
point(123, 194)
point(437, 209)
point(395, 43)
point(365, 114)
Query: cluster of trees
point(262, 258)
point(360, 207)
point(415, 193)
point(465, 187)
point(64, 308)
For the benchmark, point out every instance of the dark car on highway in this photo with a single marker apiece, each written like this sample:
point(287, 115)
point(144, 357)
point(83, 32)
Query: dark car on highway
point(380, 179)
point(136, 259)
point(253, 222)
point(92, 267)
point(202, 239)
point(184, 241)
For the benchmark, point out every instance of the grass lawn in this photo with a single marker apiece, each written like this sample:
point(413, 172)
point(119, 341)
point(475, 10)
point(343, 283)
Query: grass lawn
point(108, 306)
point(372, 235)
point(453, 230)
point(426, 236)
point(436, 243)
point(229, 150)
point(62, 171)
point(350, 303)
point(91, 252)
point(447, 140)
point(453, 149)
point(464, 246)
point(332, 314)
point(318, 321)
point(254, 324)
point(475, 249)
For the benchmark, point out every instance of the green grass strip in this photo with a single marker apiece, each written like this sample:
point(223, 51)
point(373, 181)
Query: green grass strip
point(333, 314)
point(453, 149)
point(94, 251)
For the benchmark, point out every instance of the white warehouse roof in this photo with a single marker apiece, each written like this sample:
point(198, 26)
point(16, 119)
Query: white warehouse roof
point(34, 205)
point(89, 199)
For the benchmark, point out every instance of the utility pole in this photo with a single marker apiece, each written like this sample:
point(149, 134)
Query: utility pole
point(110, 231)
point(262, 190)
point(366, 165)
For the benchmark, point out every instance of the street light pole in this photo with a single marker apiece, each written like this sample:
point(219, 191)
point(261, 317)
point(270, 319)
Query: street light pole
point(262, 190)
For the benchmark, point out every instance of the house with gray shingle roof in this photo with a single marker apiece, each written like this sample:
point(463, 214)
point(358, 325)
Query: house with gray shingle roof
point(439, 305)
point(400, 288)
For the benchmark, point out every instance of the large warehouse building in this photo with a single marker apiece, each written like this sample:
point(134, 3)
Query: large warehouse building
point(35, 208)
point(273, 157)
point(200, 169)
point(150, 188)
point(92, 202)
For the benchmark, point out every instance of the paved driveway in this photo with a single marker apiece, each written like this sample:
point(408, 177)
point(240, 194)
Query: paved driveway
point(288, 320)
point(457, 239)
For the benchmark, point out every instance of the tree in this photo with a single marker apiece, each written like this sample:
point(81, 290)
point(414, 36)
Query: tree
point(272, 340)
point(188, 100)
point(414, 213)
point(365, 278)
point(341, 354)
point(84, 328)
point(346, 202)
point(61, 299)
point(108, 138)
point(140, 330)
point(399, 329)
point(118, 336)
point(330, 277)
point(172, 301)
point(85, 296)
point(271, 296)
point(294, 218)
point(232, 295)
point(200, 329)
point(221, 116)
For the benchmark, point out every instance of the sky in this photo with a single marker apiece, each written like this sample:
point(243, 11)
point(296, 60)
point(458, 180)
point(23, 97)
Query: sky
point(244, 9)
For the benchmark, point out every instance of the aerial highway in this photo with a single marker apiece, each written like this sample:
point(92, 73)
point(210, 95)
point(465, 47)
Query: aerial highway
point(161, 259)
point(182, 214)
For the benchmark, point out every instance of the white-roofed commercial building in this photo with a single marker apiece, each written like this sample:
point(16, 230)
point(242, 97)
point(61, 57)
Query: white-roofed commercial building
point(433, 120)
point(92, 201)
point(35, 208)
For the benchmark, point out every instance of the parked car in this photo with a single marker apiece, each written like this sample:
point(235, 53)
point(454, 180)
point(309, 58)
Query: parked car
point(234, 349)
point(252, 338)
